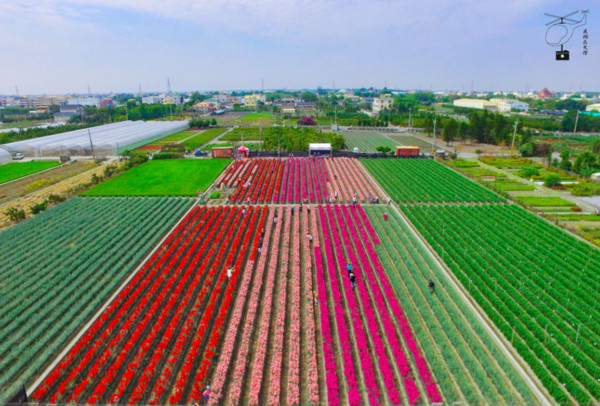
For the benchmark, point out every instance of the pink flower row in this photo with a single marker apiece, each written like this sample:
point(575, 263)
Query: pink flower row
point(342, 329)
point(360, 337)
point(310, 225)
point(229, 340)
point(331, 377)
point(235, 388)
point(424, 373)
point(274, 389)
point(293, 382)
point(261, 347)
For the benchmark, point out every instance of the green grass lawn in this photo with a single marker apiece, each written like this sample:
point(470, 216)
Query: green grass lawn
point(170, 177)
point(552, 201)
point(202, 138)
point(17, 170)
point(252, 116)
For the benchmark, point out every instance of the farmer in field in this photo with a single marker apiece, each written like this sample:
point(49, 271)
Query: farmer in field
point(389, 200)
point(292, 210)
point(352, 280)
point(300, 208)
point(308, 209)
point(349, 269)
point(431, 285)
point(206, 394)
point(229, 272)
point(310, 238)
point(335, 194)
point(385, 216)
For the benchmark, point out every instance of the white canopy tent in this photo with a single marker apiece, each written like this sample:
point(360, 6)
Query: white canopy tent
point(109, 138)
point(319, 149)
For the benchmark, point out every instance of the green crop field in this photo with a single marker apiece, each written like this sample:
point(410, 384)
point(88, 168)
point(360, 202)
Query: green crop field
point(59, 267)
point(446, 327)
point(17, 170)
point(425, 180)
point(537, 283)
point(202, 138)
point(508, 186)
point(367, 141)
point(541, 201)
point(170, 177)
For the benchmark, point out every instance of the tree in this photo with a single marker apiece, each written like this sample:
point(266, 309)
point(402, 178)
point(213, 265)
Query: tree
point(309, 97)
point(38, 207)
point(450, 131)
point(565, 163)
point(526, 150)
point(595, 148)
point(463, 131)
point(552, 180)
point(15, 215)
point(478, 152)
point(383, 150)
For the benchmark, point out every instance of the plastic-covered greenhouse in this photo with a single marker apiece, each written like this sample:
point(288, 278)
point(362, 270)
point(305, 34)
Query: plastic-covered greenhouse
point(110, 139)
point(5, 157)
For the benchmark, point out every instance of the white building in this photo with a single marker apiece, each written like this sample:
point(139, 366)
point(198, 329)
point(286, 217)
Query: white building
point(382, 102)
point(84, 101)
point(593, 107)
point(508, 105)
point(500, 105)
point(481, 104)
point(163, 99)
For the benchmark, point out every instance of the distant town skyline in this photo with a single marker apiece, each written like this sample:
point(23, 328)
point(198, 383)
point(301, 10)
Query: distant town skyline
point(59, 47)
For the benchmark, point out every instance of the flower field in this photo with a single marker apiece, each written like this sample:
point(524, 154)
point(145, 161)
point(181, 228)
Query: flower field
point(60, 266)
point(287, 328)
point(296, 180)
point(536, 282)
point(156, 340)
point(457, 346)
point(424, 180)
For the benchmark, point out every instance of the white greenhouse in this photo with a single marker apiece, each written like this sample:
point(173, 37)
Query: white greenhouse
point(5, 157)
point(109, 139)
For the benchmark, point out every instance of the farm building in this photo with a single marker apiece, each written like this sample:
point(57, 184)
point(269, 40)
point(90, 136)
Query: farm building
point(404, 150)
point(222, 152)
point(108, 139)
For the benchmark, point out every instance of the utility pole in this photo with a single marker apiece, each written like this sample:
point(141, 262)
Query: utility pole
point(512, 146)
point(91, 144)
point(434, 136)
point(409, 117)
point(576, 120)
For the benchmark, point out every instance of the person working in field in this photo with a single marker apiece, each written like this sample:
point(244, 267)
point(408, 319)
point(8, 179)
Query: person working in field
point(206, 394)
point(431, 285)
point(310, 238)
point(352, 280)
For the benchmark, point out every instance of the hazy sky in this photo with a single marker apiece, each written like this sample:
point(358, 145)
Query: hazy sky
point(60, 46)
